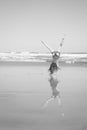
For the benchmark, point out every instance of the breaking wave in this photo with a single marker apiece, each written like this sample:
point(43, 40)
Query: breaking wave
point(68, 58)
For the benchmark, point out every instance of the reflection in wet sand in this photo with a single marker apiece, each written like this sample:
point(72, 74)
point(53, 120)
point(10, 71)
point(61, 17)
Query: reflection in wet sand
point(53, 80)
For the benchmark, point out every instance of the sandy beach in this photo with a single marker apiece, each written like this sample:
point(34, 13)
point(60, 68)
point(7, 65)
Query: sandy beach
point(30, 99)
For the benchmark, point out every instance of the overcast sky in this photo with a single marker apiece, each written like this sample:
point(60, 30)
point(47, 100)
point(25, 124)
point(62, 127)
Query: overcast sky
point(24, 23)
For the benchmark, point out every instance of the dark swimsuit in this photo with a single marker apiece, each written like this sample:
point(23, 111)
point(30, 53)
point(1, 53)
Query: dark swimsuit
point(53, 67)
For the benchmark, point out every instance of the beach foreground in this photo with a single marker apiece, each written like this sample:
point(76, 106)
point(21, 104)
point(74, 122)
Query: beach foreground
point(26, 98)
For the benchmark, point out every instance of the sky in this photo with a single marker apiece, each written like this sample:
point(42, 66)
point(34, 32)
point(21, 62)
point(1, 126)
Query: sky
point(24, 23)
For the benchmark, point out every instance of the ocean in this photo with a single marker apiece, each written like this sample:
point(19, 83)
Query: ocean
point(32, 99)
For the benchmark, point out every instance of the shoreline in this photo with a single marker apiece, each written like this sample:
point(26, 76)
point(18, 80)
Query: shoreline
point(26, 63)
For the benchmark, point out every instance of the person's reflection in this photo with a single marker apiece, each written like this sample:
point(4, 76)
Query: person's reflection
point(55, 91)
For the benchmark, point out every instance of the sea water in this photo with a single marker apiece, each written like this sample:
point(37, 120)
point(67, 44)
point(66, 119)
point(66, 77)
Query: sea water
point(31, 99)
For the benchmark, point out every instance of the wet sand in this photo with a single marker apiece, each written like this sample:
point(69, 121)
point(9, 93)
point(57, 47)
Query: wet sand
point(30, 99)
